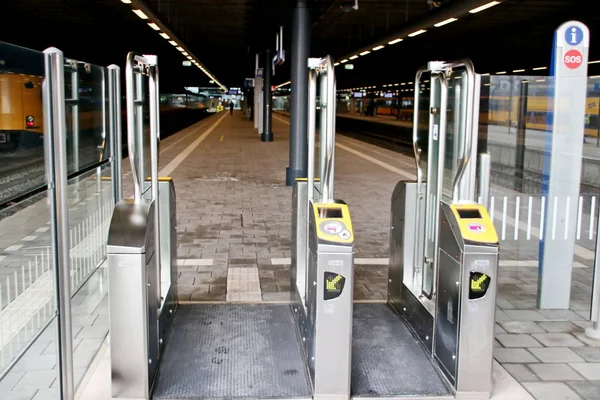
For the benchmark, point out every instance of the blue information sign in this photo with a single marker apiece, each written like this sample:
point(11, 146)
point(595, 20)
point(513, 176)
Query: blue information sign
point(573, 35)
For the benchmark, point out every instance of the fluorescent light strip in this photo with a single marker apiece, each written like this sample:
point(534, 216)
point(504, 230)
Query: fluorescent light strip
point(501, 73)
point(180, 48)
point(518, 70)
point(140, 13)
point(174, 43)
point(540, 68)
point(594, 62)
point(417, 33)
point(353, 57)
point(336, 64)
point(445, 22)
point(345, 60)
point(364, 53)
point(378, 47)
point(126, 1)
point(164, 36)
point(153, 26)
point(395, 41)
point(484, 7)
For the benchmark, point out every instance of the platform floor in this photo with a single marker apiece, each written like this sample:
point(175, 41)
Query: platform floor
point(234, 243)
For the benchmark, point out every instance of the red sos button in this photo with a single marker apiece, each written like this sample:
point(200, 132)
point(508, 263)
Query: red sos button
point(573, 59)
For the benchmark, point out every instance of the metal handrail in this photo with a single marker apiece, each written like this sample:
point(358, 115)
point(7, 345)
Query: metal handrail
point(416, 147)
point(130, 72)
point(327, 188)
point(464, 161)
point(312, 116)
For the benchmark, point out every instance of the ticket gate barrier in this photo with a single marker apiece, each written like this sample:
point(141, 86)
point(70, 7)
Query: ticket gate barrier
point(141, 248)
point(322, 272)
point(444, 257)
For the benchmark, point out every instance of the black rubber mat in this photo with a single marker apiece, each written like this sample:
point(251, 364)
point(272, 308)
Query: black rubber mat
point(387, 360)
point(232, 351)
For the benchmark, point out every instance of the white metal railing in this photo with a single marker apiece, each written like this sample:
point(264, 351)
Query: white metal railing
point(27, 295)
point(521, 217)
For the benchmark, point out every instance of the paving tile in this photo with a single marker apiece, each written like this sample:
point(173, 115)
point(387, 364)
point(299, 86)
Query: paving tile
point(521, 327)
point(517, 340)
point(525, 315)
point(551, 391)
point(22, 394)
point(586, 340)
point(521, 372)
point(514, 355)
point(559, 326)
point(556, 355)
point(557, 339)
point(590, 371)
point(587, 390)
point(555, 372)
point(590, 354)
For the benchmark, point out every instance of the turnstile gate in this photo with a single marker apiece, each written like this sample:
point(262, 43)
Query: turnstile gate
point(323, 346)
point(443, 245)
point(163, 350)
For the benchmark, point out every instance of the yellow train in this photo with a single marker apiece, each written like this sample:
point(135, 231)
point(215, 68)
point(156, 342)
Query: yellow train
point(21, 110)
point(22, 118)
point(501, 110)
point(504, 110)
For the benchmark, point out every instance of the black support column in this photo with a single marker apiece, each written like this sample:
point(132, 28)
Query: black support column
point(299, 96)
point(267, 134)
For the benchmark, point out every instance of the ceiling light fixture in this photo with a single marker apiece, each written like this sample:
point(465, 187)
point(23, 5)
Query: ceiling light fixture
point(153, 26)
point(445, 22)
point(417, 33)
point(395, 41)
point(140, 13)
point(484, 7)
point(164, 36)
point(378, 47)
point(364, 53)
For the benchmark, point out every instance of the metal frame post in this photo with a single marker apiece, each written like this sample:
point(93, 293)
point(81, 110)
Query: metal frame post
point(299, 91)
point(73, 102)
point(594, 331)
point(267, 133)
point(114, 130)
point(55, 145)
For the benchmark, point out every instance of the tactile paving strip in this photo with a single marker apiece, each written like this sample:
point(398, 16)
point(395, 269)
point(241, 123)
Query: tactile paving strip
point(387, 359)
point(233, 351)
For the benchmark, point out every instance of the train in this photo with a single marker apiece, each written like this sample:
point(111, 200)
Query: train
point(499, 109)
point(21, 109)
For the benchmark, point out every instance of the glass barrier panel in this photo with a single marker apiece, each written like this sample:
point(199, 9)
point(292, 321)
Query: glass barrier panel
point(86, 96)
point(21, 123)
point(90, 211)
point(27, 292)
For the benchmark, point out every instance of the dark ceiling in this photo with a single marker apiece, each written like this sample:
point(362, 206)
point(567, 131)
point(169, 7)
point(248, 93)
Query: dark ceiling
point(225, 35)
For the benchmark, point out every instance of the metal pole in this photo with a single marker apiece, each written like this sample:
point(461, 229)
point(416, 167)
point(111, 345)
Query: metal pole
point(75, 115)
point(267, 133)
point(55, 145)
point(485, 167)
point(299, 91)
point(131, 125)
point(521, 132)
point(114, 130)
point(154, 139)
point(594, 331)
point(312, 111)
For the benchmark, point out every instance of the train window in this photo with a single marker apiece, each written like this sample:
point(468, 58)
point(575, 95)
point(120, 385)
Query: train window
point(29, 85)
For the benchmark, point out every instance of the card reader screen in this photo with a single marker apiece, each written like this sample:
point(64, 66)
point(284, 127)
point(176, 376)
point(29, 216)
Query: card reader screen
point(330, 213)
point(469, 214)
